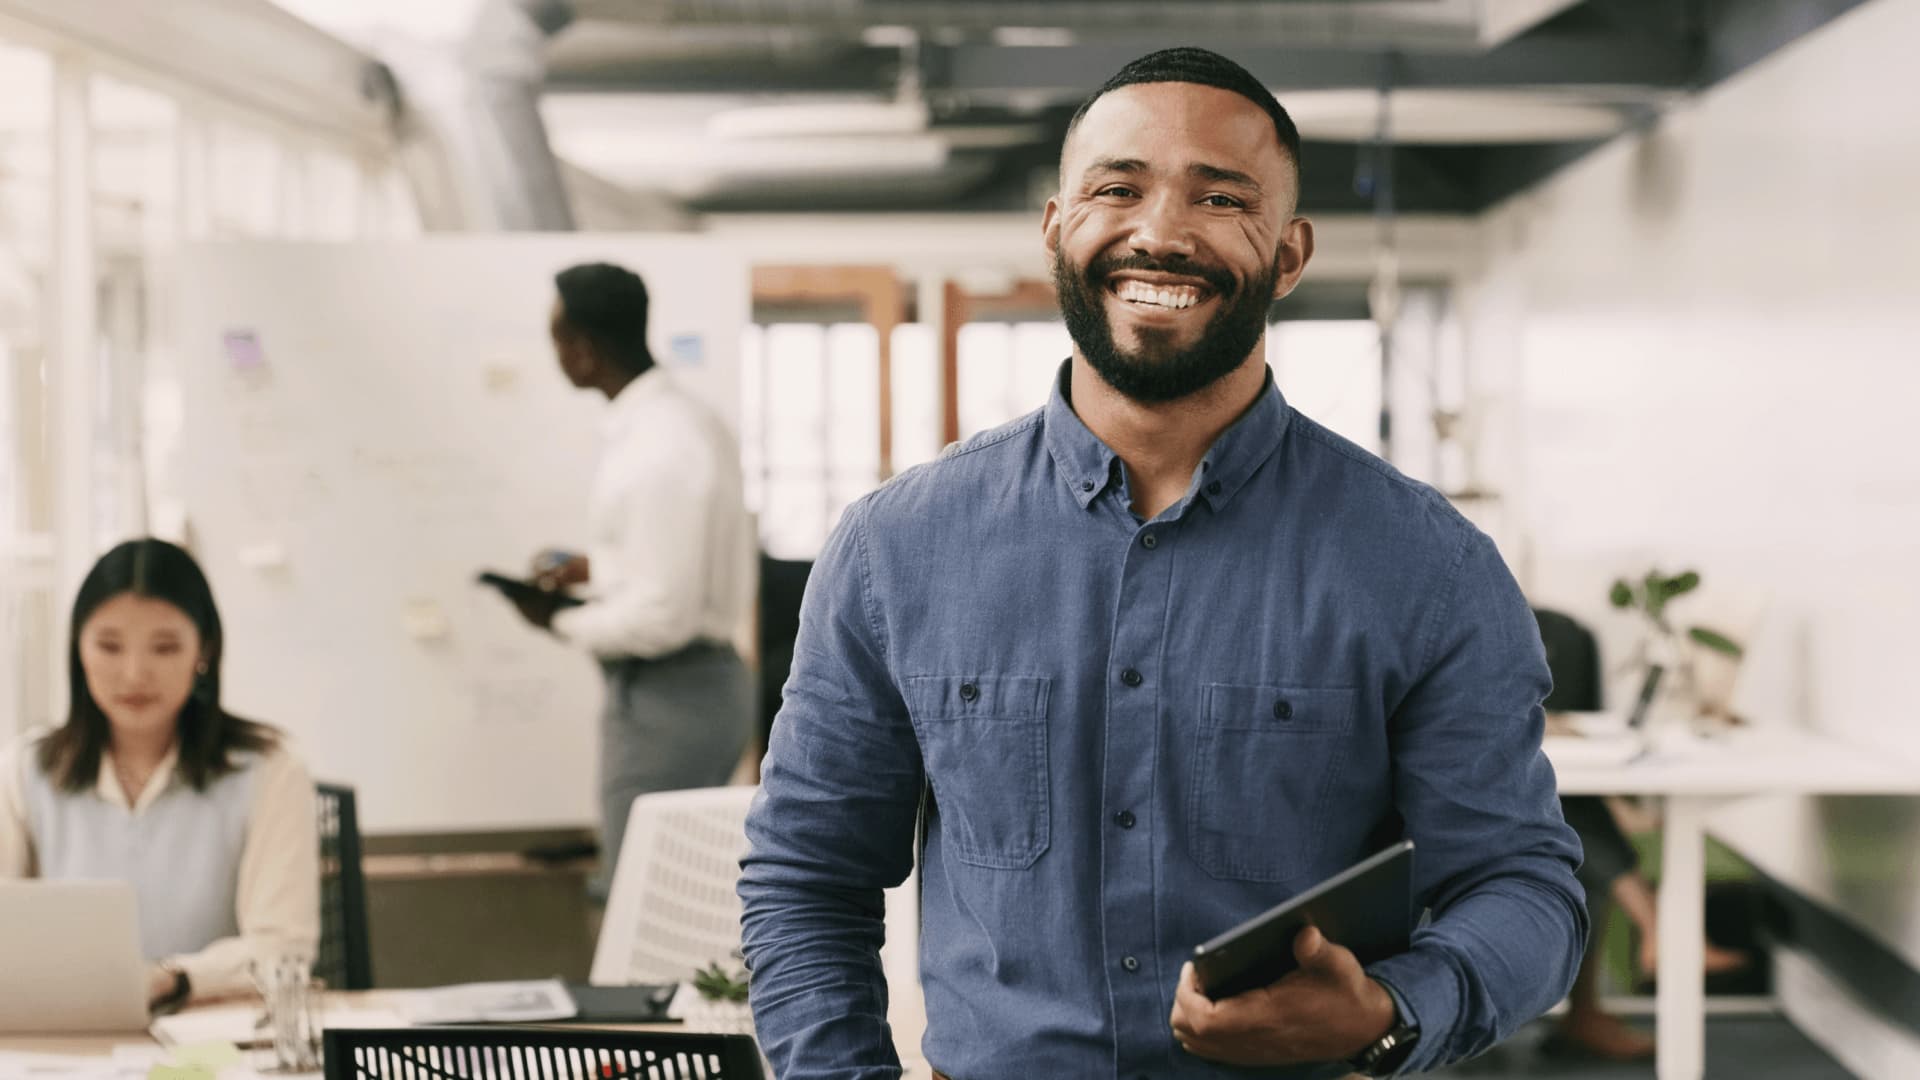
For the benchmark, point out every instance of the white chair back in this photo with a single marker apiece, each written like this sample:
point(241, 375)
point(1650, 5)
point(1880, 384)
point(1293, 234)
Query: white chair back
point(673, 909)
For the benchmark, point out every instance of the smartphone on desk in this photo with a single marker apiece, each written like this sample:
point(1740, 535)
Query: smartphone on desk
point(1367, 908)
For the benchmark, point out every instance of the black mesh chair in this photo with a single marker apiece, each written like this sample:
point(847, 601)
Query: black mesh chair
point(494, 1053)
point(345, 960)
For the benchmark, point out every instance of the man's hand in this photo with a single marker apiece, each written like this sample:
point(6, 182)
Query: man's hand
point(160, 984)
point(555, 570)
point(1326, 1010)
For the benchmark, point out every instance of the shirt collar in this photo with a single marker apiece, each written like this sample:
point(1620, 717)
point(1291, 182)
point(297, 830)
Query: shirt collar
point(1090, 467)
point(107, 784)
point(634, 398)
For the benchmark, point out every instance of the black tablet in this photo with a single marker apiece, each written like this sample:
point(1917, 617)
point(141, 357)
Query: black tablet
point(515, 589)
point(1368, 908)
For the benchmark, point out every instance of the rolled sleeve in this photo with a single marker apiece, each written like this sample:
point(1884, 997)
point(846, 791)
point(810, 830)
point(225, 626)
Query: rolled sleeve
point(1494, 861)
point(830, 829)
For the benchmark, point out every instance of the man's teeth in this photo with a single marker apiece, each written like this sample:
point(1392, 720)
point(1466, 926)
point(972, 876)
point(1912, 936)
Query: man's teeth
point(1176, 296)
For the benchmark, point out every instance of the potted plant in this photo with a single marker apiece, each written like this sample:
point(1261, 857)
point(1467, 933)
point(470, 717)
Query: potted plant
point(719, 1001)
point(1669, 645)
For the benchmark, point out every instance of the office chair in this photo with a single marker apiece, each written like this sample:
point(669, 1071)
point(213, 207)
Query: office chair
point(345, 960)
point(673, 909)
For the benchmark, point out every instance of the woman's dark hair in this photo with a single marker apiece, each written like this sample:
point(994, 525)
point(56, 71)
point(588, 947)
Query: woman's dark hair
point(208, 734)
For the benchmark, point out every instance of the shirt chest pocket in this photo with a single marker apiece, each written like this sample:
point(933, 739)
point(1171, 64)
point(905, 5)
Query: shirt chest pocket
point(984, 742)
point(1264, 764)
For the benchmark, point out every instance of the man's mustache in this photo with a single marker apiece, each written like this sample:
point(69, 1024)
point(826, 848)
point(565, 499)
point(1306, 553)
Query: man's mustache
point(1105, 266)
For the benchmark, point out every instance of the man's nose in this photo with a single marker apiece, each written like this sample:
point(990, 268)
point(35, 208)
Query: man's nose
point(1163, 228)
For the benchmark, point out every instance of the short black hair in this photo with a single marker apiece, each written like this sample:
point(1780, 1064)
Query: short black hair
point(1205, 67)
point(607, 304)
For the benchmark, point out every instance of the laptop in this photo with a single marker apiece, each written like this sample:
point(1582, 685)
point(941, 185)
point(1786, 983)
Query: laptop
point(70, 958)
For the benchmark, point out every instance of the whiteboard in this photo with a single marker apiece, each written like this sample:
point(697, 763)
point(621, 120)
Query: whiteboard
point(368, 425)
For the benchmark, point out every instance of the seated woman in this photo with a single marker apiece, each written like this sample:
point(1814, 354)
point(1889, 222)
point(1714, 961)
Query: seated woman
point(150, 781)
point(1610, 870)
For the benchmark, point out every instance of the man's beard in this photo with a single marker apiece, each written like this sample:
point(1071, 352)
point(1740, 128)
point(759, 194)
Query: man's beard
point(1158, 371)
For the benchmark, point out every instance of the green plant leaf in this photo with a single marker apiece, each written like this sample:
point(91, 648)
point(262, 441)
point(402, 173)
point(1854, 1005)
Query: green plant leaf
point(1621, 594)
point(715, 983)
point(1682, 585)
point(1716, 641)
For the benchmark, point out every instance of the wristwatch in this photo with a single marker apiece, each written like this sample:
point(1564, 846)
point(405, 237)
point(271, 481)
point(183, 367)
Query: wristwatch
point(1387, 1054)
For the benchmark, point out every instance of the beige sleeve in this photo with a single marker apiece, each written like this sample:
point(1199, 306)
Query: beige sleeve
point(16, 842)
point(278, 902)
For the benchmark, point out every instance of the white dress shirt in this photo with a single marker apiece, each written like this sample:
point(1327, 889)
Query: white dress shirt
point(242, 856)
point(670, 545)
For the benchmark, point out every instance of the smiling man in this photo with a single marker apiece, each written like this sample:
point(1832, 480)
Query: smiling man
point(1146, 662)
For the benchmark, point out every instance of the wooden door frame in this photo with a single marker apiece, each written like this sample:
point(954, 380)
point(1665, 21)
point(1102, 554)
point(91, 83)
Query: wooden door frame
point(882, 299)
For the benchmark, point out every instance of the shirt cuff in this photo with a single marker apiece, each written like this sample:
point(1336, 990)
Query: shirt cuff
point(1424, 990)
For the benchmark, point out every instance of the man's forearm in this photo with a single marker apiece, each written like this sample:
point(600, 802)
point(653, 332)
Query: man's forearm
point(819, 996)
point(1500, 955)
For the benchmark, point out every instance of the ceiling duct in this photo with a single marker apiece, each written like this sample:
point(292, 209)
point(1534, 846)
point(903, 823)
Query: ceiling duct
point(473, 142)
point(1464, 25)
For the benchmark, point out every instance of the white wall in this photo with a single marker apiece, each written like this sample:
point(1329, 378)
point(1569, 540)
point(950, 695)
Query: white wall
point(1713, 331)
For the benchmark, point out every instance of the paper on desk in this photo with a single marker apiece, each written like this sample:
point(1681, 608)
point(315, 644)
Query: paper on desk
point(240, 1024)
point(1574, 751)
point(489, 1002)
point(126, 1063)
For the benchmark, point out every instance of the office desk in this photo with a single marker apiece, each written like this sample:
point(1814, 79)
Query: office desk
point(102, 1045)
point(1691, 777)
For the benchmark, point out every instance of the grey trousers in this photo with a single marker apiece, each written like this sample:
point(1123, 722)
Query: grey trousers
point(678, 721)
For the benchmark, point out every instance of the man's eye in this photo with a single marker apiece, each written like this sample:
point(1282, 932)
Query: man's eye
point(1118, 190)
point(1221, 200)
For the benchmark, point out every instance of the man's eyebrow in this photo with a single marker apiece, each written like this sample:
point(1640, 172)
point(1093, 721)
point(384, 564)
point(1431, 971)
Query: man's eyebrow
point(1221, 175)
point(1117, 165)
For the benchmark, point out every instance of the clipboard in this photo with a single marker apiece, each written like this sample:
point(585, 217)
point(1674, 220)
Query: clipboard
point(1367, 908)
point(517, 590)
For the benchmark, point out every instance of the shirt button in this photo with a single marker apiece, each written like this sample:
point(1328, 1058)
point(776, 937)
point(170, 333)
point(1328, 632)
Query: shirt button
point(1131, 677)
point(1213, 488)
point(1130, 963)
point(1124, 819)
point(1282, 711)
point(1150, 541)
point(968, 691)
point(1086, 485)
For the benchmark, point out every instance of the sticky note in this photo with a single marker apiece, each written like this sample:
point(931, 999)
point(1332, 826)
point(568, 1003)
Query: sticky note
point(212, 1055)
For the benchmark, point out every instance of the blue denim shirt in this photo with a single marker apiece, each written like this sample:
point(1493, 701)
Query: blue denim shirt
point(1133, 736)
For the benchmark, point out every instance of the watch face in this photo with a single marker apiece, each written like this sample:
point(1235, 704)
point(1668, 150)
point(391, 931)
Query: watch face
point(1390, 1060)
point(1388, 1054)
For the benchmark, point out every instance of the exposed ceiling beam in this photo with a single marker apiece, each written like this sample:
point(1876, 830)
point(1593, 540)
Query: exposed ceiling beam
point(1466, 26)
point(262, 59)
point(1064, 73)
point(1535, 60)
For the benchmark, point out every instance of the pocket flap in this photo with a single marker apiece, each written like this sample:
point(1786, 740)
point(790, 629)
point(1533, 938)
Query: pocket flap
point(1005, 697)
point(1279, 708)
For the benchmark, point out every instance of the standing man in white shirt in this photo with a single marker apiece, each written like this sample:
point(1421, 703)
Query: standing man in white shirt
point(669, 563)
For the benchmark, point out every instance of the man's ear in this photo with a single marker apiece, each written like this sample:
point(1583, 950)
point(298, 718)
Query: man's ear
point(1050, 229)
point(1296, 249)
